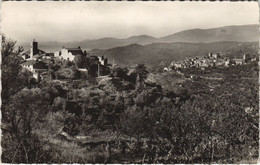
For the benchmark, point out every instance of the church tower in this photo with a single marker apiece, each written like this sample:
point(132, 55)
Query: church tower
point(34, 49)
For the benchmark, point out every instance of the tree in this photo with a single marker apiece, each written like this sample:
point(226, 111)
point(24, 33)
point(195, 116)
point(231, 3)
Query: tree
point(14, 78)
point(119, 72)
point(25, 113)
point(92, 69)
point(10, 67)
point(67, 64)
point(8, 48)
point(80, 61)
point(141, 72)
point(68, 73)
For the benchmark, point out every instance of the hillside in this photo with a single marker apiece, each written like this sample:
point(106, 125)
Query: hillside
point(106, 43)
point(161, 54)
point(245, 33)
point(133, 54)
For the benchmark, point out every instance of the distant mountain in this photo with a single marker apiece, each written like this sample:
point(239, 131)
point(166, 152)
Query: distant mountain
point(47, 46)
point(244, 33)
point(161, 54)
point(103, 43)
point(107, 43)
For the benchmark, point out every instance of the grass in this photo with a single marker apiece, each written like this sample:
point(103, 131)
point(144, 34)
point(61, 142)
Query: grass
point(92, 149)
point(72, 152)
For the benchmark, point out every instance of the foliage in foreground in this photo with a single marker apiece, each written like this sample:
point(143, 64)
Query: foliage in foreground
point(129, 119)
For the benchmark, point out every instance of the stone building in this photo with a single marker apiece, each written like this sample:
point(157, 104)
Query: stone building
point(68, 53)
point(34, 52)
point(36, 67)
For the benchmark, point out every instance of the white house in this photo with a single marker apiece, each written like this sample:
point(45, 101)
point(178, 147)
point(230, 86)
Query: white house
point(102, 60)
point(239, 61)
point(227, 62)
point(68, 53)
point(36, 67)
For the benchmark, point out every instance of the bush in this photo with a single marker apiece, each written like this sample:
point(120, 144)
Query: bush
point(68, 73)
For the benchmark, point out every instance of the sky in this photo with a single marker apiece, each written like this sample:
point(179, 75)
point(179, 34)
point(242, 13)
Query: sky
point(65, 21)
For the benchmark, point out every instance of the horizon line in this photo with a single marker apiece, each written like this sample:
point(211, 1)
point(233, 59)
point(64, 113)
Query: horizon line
point(110, 37)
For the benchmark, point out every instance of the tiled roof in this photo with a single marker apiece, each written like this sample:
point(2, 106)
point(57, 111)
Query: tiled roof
point(40, 52)
point(93, 57)
point(75, 51)
point(49, 54)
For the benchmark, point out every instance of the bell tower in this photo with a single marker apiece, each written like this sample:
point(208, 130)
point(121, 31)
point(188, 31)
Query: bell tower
point(34, 48)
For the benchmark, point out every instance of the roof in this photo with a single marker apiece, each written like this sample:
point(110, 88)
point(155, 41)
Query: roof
point(36, 64)
point(75, 51)
point(37, 56)
point(29, 62)
point(83, 69)
point(237, 59)
point(93, 57)
point(49, 54)
point(41, 51)
point(28, 52)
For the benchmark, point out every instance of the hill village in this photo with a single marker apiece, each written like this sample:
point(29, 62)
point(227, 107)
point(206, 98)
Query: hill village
point(213, 59)
point(40, 63)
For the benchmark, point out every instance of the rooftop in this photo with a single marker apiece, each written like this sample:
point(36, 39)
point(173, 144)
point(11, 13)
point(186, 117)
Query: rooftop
point(28, 52)
point(75, 51)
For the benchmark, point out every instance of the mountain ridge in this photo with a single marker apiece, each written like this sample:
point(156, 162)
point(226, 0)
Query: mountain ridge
point(244, 33)
point(240, 33)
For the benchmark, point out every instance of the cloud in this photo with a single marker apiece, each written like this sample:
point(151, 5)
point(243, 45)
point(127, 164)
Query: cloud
point(70, 21)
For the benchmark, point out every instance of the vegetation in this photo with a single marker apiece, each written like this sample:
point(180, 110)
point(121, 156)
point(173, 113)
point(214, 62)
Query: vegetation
point(162, 54)
point(131, 117)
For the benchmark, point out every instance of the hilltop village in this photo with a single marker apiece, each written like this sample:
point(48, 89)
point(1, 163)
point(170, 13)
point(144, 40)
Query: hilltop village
point(64, 64)
point(213, 59)
point(74, 63)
